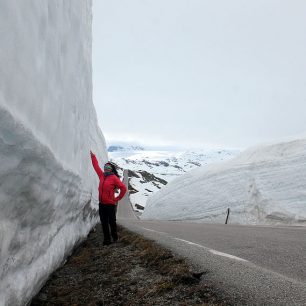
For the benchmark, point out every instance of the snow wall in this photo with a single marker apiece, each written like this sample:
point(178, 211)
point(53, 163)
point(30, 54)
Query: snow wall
point(48, 124)
point(264, 185)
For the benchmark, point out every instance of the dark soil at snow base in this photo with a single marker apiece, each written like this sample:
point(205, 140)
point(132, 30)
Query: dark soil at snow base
point(132, 271)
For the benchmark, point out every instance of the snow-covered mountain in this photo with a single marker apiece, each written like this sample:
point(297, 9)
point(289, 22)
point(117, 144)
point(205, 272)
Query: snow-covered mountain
point(167, 164)
point(120, 148)
point(48, 125)
point(264, 185)
point(141, 185)
point(152, 168)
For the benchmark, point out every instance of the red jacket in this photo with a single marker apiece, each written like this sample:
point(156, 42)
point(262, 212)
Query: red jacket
point(108, 185)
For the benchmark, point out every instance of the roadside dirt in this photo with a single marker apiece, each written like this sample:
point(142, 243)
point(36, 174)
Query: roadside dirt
point(133, 271)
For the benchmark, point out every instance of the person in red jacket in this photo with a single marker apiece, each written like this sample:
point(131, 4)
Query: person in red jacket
point(109, 182)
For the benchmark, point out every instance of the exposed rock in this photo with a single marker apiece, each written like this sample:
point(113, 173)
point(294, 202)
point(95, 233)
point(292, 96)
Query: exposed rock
point(138, 206)
point(149, 177)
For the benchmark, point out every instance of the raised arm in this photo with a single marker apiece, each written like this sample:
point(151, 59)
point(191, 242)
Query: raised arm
point(95, 164)
point(122, 188)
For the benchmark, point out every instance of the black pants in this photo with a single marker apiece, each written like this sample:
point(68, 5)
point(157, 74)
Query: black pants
point(108, 220)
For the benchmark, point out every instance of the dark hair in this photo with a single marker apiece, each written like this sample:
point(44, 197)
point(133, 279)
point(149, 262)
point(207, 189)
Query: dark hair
point(114, 168)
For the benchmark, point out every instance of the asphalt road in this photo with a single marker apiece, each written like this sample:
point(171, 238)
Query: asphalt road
point(248, 265)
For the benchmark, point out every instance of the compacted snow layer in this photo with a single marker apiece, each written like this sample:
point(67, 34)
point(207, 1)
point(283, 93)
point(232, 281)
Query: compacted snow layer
point(264, 185)
point(48, 124)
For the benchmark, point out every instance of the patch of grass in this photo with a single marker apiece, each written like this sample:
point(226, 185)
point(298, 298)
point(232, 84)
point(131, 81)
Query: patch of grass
point(160, 259)
point(134, 271)
point(81, 258)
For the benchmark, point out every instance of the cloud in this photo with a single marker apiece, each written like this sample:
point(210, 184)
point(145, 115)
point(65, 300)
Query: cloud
point(193, 72)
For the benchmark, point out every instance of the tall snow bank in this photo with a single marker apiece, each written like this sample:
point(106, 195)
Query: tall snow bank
point(48, 124)
point(265, 185)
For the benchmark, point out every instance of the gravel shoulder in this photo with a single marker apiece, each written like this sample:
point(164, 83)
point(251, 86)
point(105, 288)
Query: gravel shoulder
point(133, 271)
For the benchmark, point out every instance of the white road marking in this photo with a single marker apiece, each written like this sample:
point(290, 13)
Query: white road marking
point(150, 230)
point(191, 243)
point(215, 252)
point(226, 255)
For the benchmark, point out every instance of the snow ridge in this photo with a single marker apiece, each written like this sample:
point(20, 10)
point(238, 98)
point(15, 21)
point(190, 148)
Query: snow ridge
point(264, 185)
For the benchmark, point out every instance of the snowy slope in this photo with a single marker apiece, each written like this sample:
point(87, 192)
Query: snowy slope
point(264, 185)
point(153, 168)
point(167, 164)
point(47, 127)
point(141, 185)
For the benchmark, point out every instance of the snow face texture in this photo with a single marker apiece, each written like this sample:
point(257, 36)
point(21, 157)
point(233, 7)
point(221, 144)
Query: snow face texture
point(48, 124)
point(265, 185)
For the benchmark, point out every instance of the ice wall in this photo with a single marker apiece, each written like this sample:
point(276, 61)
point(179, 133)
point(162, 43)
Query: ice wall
point(48, 124)
point(264, 185)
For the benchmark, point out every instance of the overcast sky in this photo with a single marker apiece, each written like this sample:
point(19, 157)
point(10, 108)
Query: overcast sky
point(200, 72)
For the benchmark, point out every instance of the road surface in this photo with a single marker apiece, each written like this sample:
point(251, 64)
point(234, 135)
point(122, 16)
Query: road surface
point(249, 265)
